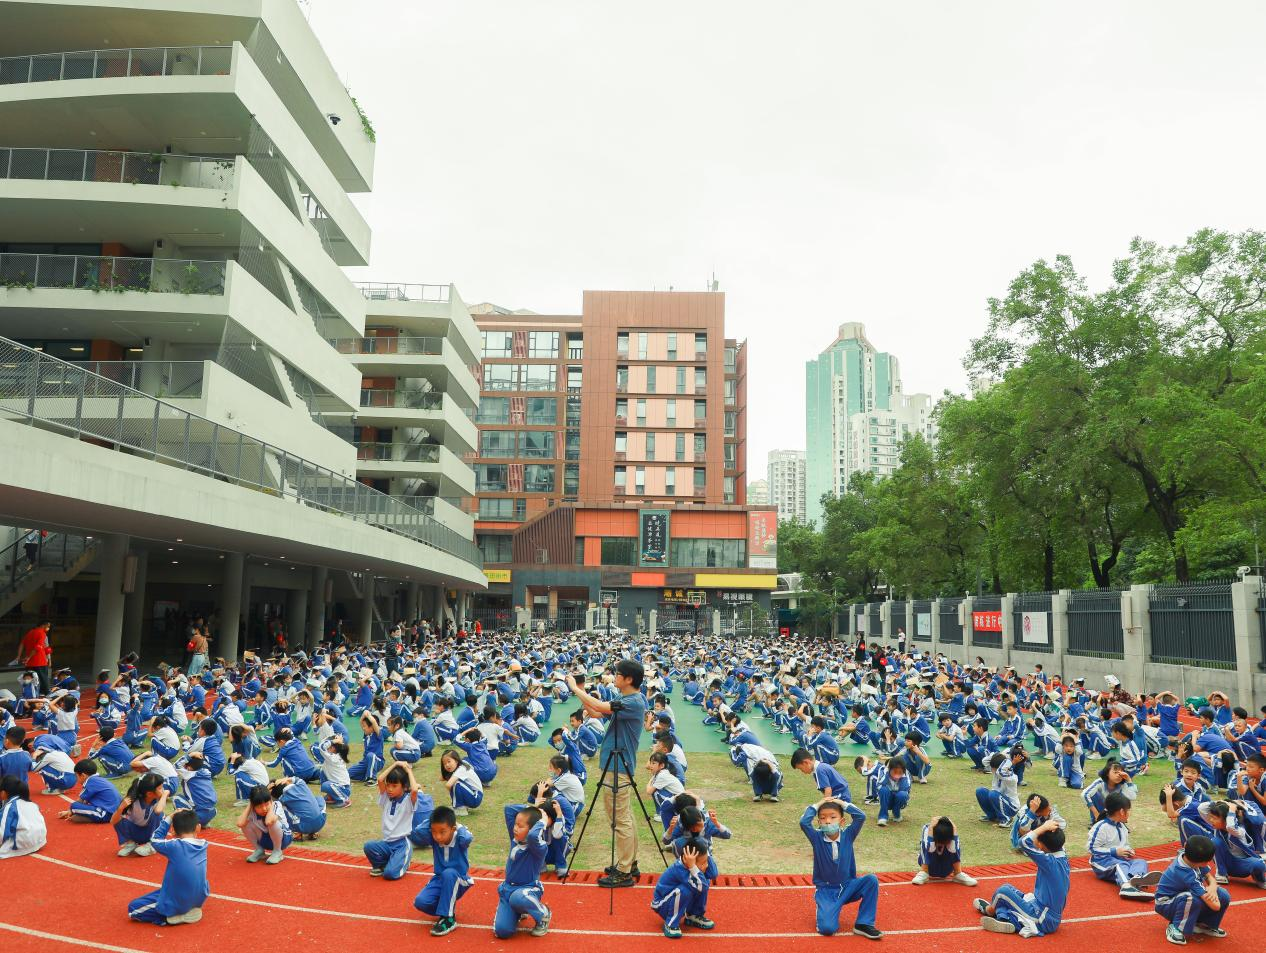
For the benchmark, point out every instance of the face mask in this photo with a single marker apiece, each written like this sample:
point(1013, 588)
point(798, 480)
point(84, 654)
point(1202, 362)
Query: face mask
point(830, 830)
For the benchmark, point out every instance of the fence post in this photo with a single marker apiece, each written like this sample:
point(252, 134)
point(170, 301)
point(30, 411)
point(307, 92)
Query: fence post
point(886, 627)
point(1059, 630)
point(1136, 639)
point(1248, 641)
point(1008, 628)
point(935, 645)
point(909, 621)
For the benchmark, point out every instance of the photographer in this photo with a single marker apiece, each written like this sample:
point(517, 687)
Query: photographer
point(616, 756)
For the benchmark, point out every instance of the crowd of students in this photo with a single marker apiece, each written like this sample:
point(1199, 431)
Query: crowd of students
point(481, 701)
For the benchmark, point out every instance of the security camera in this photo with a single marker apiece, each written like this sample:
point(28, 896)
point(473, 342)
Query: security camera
point(1243, 571)
point(334, 119)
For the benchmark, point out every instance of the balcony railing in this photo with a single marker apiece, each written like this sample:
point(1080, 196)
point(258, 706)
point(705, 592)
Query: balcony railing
point(398, 452)
point(131, 422)
point(407, 399)
point(158, 378)
point(389, 345)
point(108, 273)
point(400, 291)
point(107, 64)
point(127, 168)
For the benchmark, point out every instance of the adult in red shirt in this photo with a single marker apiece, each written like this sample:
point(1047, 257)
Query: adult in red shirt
point(36, 654)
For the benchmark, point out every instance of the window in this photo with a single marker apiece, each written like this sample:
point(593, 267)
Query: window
point(731, 356)
point(490, 477)
point(701, 346)
point(621, 476)
point(501, 376)
point(540, 376)
point(542, 344)
point(670, 412)
point(672, 346)
point(621, 441)
point(622, 344)
point(538, 478)
point(731, 454)
point(541, 411)
point(650, 446)
point(680, 440)
point(701, 411)
point(493, 410)
point(537, 443)
point(498, 343)
point(622, 410)
point(701, 446)
point(579, 551)
point(496, 443)
point(641, 345)
point(731, 423)
point(701, 379)
point(681, 380)
point(571, 479)
point(573, 411)
point(641, 413)
point(573, 445)
point(639, 479)
point(575, 377)
point(670, 480)
point(502, 509)
point(495, 548)
point(731, 390)
point(727, 490)
point(651, 380)
point(708, 553)
point(701, 478)
point(622, 378)
point(619, 551)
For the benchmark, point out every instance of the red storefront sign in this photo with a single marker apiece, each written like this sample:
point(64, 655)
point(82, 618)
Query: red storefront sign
point(986, 621)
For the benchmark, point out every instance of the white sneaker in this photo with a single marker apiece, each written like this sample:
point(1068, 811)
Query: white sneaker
point(923, 780)
point(189, 916)
point(126, 848)
point(920, 878)
point(882, 822)
point(276, 857)
point(461, 811)
point(143, 850)
point(240, 803)
point(255, 856)
point(964, 879)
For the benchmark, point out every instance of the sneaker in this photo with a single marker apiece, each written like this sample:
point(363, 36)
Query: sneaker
point(994, 925)
point(1062, 783)
point(1220, 879)
point(987, 820)
point(965, 879)
point(255, 856)
point(613, 869)
point(461, 811)
point(616, 879)
point(240, 802)
point(700, 923)
point(868, 931)
point(542, 925)
point(871, 800)
point(143, 850)
point(444, 926)
point(773, 798)
point(923, 780)
point(1175, 935)
point(1149, 879)
point(375, 871)
point(126, 848)
point(982, 906)
point(189, 916)
point(1203, 930)
point(1004, 825)
point(882, 822)
point(1133, 893)
point(755, 800)
point(921, 878)
point(672, 932)
point(561, 872)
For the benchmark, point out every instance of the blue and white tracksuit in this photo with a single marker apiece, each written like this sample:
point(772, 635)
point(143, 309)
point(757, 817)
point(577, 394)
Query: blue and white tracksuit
point(835, 879)
point(451, 877)
point(1105, 844)
point(1039, 912)
point(519, 894)
point(1180, 897)
point(185, 885)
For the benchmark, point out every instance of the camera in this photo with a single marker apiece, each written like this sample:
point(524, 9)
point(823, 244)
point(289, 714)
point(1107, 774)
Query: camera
point(617, 704)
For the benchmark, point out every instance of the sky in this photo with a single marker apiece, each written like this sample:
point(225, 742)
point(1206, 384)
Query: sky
point(891, 163)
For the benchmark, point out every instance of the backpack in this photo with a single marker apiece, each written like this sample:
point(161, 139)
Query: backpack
point(22, 827)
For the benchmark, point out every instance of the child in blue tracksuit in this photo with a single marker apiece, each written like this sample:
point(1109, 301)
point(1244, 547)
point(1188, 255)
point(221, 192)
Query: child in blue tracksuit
point(520, 892)
point(185, 886)
point(871, 772)
point(197, 790)
point(1001, 802)
point(1188, 895)
point(953, 738)
point(1111, 856)
point(56, 768)
point(305, 808)
point(294, 758)
point(1039, 912)
point(138, 820)
point(450, 853)
point(98, 798)
point(477, 756)
point(835, 877)
point(820, 743)
point(918, 764)
point(266, 825)
point(1070, 764)
point(941, 854)
point(369, 766)
point(397, 796)
point(828, 781)
point(681, 891)
point(857, 730)
point(893, 788)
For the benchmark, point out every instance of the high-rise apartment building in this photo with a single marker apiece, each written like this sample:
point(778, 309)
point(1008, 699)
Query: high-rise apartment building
point(786, 483)
point(758, 492)
point(850, 379)
point(874, 438)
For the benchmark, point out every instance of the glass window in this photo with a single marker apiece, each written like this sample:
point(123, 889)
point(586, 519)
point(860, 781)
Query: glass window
point(622, 410)
point(537, 443)
point(681, 379)
point(573, 411)
point(670, 412)
point(540, 376)
point(731, 453)
point(573, 445)
point(502, 509)
point(731, 356)
point(708, 553)
point(538, 478)
point(575, 377)
point(731, 423)
point(701, 446)
point(650, 446)
point(641, 413)
point(501, 376)
point(727, 492)
point(493, 410)
point(731, 390)
point(571, 479)
point(701, 378)
point(495, 548)
point(621, 441)
point(621, 475)
point(622, 343)
point(701, 478)
point(639, 479)
point(541, 411)
point(681, 446)
point(672, 346)
point(580, 551)
point(619, 551)
point(622, 377)
point(641, 345)
point(498, 343)
point(701, 346)
point(490, 477)
point(701, 411)
point(670, 479)
point(650, 380)
point(496, 443)
point(542, 344)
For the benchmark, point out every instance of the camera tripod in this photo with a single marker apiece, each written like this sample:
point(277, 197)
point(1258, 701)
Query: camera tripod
point(615, 784)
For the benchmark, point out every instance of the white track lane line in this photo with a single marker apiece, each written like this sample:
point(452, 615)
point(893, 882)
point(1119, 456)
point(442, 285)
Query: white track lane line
point(344, 914)
point(74, 941)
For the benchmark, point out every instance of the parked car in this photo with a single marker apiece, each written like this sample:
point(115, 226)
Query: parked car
point(677, 627)
point(601, 628)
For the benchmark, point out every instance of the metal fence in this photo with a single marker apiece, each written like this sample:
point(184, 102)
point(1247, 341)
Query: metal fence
point(109, 64)
point(399, 452)
point(986, 640)
point(1094, 624)
point(158, 378)
point(86, 406)
point(408, 398)
point(897, 617)
point(403, 291)
point(389, 345)
point(951, 628)
point(111, 273)
point(1036, 636)
point(922, 607)
point(1193, 625)
point(134, 168)
point(874, 624)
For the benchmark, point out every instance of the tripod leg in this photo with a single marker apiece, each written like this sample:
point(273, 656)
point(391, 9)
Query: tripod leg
point(584, 825)
point(650, 824)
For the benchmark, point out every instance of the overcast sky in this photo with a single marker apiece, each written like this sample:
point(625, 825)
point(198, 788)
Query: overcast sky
point(891, 163)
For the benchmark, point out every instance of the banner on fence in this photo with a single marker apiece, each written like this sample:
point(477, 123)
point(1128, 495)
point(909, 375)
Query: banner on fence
point(986, 621)
point(923, 624)
point(862, 619)
point(1033, 628)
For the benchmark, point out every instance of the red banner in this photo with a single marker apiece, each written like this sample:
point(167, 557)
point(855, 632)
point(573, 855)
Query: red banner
point(762, 539)
point(986, 621)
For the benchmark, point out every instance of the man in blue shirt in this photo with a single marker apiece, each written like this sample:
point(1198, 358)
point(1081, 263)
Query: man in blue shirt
point(616, 758)
point(835, 877)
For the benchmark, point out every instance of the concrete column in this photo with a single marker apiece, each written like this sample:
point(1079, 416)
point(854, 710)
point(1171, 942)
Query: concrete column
point(134, 620)
point(1248, 642)
point(716, 622)
point(439, 605)
point(653, 622)
point(936, 627)
point(412, 610)
point(965, 611)
point(1059, 630)
point(316, 608)
point(231, 589)
point(1136, 638)
point(296, 617)
point(1008, 627)
point(109, 643)
point(886, 628)
point(366, 630)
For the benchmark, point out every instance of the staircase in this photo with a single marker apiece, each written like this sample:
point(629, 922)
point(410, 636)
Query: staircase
point(61, 557)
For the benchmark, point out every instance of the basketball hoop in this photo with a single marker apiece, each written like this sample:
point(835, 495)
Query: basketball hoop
point(697, 599)
point(608, 598)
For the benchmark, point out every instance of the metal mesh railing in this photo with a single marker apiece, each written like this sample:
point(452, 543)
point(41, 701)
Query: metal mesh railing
point(1193, 625)
point(109, 273)
point(390, 345)
point(403, 291)
point(1035, 608)
point(157, 378)
point(951, 628)
point(398, 452)
point(108, 64)
point(86, 406)
point(404, 398)
point(1094, 624)
point(126, 168)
